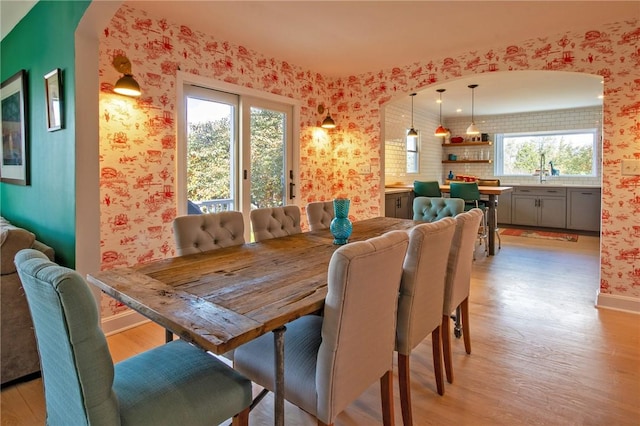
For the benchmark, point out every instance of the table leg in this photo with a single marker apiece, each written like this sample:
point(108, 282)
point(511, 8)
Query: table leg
point(278, 340)
point(491, 219)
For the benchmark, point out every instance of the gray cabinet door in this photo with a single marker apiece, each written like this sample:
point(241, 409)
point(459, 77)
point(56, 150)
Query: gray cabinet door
point(524, 210)
point(390, 205)
point(504, 208)
point(405, 207)
point(398, 205)
point(552, 212)
point(583, 209)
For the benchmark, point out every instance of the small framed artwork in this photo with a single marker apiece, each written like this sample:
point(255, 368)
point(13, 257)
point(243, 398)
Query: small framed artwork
point(14, 167)
point(53, 92)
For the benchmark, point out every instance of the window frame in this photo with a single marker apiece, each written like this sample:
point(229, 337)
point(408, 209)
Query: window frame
point(415, 151)
point(499, 149)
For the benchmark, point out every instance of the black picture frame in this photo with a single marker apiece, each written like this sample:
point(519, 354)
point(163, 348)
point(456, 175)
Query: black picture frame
point(53, 95)
point(14, 163)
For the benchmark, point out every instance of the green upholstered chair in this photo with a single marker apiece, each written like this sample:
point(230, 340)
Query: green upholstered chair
point(420, 301)
point(470, 193)
point(173, 384)
point(430, 209)
point(330, 360)
point(426, 188)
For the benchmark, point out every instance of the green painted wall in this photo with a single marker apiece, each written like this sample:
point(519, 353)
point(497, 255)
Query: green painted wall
point(41, 42)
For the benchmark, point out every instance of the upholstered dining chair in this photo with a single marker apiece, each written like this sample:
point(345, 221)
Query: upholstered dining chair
point(427, 188)
point(320, 214)
point(457, 284)
point(430, 209)
point(330, 360)
point(208, 231)
point(275, 222)
point(420, 301)
point(173, 384)
point(470, 193)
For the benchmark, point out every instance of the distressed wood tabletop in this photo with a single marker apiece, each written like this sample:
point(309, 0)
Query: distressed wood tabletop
point(223, 298)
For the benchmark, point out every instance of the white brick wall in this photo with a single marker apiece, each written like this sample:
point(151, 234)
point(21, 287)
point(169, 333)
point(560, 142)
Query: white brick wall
point(397, 120)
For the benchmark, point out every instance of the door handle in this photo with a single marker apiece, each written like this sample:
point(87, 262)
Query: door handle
point(292, 186)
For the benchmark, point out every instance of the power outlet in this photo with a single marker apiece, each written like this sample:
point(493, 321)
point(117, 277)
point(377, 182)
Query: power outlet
point(365, 169)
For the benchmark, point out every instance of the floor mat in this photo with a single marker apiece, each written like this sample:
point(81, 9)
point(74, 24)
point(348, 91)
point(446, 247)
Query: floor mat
point(561, 236)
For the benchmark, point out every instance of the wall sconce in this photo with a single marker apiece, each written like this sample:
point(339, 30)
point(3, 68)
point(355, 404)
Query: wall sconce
point(328, 122)
point(126, 85)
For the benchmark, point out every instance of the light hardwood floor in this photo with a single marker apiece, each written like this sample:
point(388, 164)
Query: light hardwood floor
point(541, 352)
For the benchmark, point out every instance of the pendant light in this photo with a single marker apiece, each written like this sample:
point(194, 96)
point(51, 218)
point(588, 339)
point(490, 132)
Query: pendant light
point(472, 129)
point(412, 132)
point(441, 131)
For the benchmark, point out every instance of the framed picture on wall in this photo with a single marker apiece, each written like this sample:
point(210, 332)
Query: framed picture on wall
point(53, 92)
point(14, 167)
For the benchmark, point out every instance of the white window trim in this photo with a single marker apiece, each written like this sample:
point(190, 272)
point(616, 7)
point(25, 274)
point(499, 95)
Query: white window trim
point(184, 78)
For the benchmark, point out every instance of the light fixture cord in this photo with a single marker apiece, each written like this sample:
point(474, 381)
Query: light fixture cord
point(412, 96)
point(440, 108)
point(473, 91)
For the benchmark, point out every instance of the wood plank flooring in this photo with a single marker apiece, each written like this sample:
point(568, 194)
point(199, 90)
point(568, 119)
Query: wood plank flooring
point(542, 354)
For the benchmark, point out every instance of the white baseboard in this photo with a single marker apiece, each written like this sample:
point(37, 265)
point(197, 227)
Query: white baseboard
point(121, 322)
point(618, 303)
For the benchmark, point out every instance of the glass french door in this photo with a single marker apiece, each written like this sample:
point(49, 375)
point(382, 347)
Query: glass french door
point(239, 154)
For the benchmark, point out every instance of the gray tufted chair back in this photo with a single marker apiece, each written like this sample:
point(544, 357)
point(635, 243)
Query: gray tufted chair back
point(320, 214)
point(430, 209)
point(210, 231)
point(275, 222)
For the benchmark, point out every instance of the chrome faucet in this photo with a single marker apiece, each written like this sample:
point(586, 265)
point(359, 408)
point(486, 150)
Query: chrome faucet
point(542, 165)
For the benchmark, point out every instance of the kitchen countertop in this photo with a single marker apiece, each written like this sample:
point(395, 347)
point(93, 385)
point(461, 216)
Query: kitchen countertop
point(398, 189)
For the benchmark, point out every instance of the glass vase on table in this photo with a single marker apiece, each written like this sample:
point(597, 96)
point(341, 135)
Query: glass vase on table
point(341, 226)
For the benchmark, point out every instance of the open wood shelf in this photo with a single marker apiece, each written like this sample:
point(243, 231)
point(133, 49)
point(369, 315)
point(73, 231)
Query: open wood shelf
point(466, 161)
point(467, 144)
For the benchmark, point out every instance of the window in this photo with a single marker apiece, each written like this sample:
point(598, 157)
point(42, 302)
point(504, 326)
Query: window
point(412, 153)
point(561, 153)
point(235, 150)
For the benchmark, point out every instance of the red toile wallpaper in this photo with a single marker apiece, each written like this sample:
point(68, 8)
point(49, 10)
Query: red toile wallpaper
point(138, 136)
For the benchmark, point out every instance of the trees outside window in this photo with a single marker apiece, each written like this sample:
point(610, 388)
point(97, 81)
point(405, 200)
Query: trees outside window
point(556, 153)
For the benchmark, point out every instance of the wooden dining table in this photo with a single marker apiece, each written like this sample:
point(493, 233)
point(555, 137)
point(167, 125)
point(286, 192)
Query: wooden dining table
point(493, 192)
point(223, 298)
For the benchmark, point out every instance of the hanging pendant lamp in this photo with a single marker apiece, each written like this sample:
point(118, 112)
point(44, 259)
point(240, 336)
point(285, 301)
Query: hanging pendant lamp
point(412, 132)
point(472, 129)
point(441, 131)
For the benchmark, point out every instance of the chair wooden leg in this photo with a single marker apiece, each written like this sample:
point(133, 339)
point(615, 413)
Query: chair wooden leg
point(241, 419)
point(386, 394)
point(321, 423)
point(446, 348)
point(404, 383)
point(168, 336)
point(465, 324)
point(436, 345)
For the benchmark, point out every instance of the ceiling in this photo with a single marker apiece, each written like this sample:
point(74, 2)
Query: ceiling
point(341, 38)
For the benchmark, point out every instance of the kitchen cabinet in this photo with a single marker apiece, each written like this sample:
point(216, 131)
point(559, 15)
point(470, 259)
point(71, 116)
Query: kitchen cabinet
point(536, 206)
point(399, 204)
point(504, 208)
point(583, 209)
